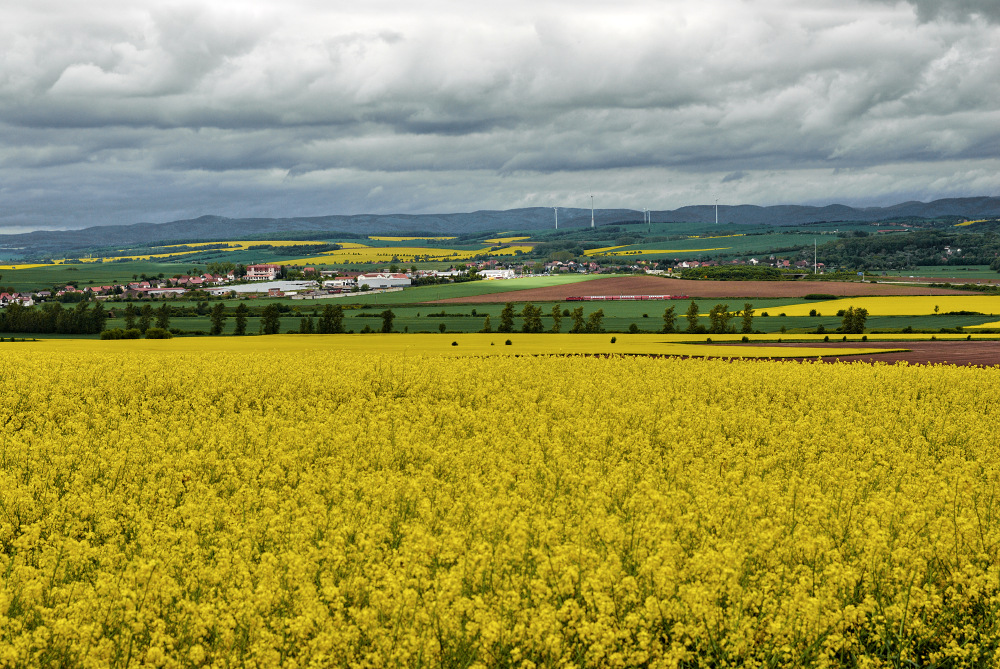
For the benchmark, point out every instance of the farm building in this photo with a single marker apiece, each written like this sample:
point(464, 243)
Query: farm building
point(497, 273)
point(382, 280)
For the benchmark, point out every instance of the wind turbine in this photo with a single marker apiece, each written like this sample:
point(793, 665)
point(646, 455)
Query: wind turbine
point(591, 211)
point(556, 209)
point(716, 211)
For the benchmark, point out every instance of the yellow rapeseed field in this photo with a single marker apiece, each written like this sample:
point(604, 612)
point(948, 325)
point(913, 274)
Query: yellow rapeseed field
point(466, 344)
point(611, 251)
point(507, 240)
point(357, 253)
point(408, 239)
point(900, 305)
point(258, 504)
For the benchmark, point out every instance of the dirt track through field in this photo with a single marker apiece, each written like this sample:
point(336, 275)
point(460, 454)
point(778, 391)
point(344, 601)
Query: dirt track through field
point(653, 285)
point(962, 353)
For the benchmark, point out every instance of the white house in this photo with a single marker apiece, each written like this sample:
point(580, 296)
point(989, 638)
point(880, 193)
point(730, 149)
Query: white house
point(382, 280)
point(497, 273)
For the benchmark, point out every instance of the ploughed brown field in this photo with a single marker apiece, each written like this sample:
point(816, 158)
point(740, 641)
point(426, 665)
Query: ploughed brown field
point(654, 285)
point(985, 353)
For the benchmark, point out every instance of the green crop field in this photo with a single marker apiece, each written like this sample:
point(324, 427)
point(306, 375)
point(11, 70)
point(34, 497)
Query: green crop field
point(88, 274)
point(960, 272)
point(469, 288)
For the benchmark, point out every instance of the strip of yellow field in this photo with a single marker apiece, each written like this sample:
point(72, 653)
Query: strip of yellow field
point(506, 240)
point(905, 305)
point(380, 238)
point(26, 266)
point(602, 251)
point(609, 251)
point(463, 344)
point(363, 254)
point(242, 245)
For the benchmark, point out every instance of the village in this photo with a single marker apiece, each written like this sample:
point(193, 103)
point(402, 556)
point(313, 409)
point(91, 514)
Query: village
point(310, 283)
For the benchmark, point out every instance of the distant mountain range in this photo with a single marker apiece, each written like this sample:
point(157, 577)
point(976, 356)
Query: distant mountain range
point(208, 228)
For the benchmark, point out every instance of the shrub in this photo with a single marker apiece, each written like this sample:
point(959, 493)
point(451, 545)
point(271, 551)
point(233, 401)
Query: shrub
point(614, 339)
point(454, 343)
point(507, 343)
point(158, 333)
point(820, 296)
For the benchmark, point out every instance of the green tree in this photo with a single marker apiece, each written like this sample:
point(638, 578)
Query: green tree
point(854, 320)
point(486, 324)
point(98, 319)
point(595, 320)
point(692, 317)
point(507, 318)
point(163, 316)
point(747, 314)
point(270, 319)
point(241, 319)
point(719, 318)
point(556, 318)
point(669, 320)
point(332, 320)
point(579, 325)
point(387, 317)
point(532, 318)
point(145, 318)
point(218, 318)
point(130, 316)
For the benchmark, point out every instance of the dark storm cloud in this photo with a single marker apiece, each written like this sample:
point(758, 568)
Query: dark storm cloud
point(301, 109)
point(929, 10)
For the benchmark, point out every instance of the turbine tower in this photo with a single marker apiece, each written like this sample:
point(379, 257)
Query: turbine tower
point(556, 209)
point(591, 211)
point(716, 211)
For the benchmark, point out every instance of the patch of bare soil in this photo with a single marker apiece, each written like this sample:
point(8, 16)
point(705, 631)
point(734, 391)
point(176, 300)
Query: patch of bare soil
point(654, 285)
point(961, 353)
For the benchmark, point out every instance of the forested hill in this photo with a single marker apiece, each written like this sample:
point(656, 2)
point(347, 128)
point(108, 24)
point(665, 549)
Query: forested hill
point(219, 228)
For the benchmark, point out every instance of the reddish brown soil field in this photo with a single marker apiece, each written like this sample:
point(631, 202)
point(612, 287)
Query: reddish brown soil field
point(964, 353)
point(652, 285)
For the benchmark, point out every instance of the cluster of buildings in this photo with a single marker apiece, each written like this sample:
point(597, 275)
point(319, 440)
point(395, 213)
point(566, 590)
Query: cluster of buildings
point(24, 299)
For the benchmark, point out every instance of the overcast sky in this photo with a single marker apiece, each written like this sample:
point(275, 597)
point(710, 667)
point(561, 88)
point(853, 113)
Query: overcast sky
point(124, 111)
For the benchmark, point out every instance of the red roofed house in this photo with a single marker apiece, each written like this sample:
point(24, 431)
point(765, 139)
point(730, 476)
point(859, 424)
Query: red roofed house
point(262, 272)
